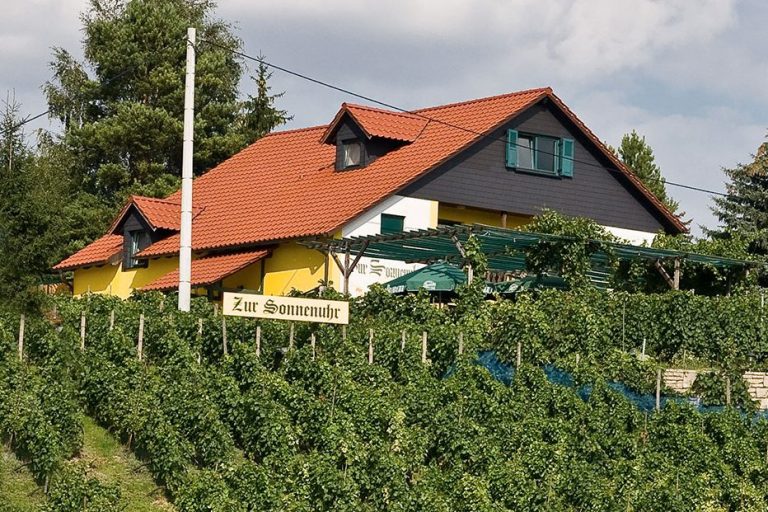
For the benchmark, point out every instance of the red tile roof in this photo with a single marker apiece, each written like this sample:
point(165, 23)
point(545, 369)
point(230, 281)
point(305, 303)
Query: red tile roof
point(159, 213)
point(376, 122)
point(207, 271)
point(98, 252)
point(284, 186)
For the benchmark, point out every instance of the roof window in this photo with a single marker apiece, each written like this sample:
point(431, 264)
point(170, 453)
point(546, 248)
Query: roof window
point(351, 153)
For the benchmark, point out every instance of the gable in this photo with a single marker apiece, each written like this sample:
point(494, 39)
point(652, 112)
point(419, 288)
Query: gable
point(478, 177)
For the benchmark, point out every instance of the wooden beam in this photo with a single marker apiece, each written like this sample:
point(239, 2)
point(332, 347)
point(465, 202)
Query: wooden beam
point(664, 274)
point(357, 258)
point(344, 270)
point(504, 220)
point(676, 279)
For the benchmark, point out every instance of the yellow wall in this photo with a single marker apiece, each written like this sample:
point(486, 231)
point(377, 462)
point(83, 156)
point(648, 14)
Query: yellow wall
point(293, 266)
point(248, 279)
point(467, 215)
point(110, 279)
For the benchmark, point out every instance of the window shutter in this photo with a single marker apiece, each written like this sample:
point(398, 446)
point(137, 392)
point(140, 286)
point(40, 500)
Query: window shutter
point(566, 158)
point(511, 148)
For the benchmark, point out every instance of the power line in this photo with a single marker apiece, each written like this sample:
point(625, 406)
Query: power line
point(428, 118)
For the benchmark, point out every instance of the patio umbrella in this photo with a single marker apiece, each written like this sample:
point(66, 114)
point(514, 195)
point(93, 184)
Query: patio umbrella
point(439, 277)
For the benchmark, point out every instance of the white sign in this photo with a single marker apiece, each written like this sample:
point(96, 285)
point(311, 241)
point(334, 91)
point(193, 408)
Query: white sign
point(286, 308)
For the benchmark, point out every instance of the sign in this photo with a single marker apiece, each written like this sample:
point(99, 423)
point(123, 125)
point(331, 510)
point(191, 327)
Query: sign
point(286, 308)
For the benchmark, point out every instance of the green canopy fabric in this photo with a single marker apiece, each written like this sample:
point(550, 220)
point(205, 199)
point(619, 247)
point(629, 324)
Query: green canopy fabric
point(440, 277)
point(531, 283)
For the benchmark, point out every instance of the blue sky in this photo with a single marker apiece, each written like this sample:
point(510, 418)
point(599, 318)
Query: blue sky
point(689, 75)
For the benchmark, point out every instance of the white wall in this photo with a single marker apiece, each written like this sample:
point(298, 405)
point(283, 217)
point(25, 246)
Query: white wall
point(418, 213)
point(632, 236)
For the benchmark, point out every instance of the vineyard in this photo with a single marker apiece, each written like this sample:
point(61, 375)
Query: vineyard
point(391, 412)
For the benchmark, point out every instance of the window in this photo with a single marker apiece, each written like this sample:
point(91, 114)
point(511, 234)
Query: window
point(540, 153)
point(135, 242)
point(352, 153)
point(392, 223)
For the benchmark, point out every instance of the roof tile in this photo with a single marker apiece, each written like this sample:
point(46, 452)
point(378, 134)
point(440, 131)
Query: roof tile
point(98, 252)
point(209, 270)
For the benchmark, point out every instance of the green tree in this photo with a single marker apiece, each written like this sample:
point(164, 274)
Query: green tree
point(122, 109)
point(635, 152)
point(744, 209)
point(260, 113)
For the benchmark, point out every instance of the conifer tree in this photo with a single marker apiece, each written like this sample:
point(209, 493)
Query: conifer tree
point(122, 108)
point(745, 207)
point(635, 152)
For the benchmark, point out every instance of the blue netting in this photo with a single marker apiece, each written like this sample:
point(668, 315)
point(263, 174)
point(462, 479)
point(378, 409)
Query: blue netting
point(644, 401)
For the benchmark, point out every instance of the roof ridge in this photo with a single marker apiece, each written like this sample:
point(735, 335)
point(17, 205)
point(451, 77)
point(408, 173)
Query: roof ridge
point(292, 130)
point(403, 113)
point(155, 199)
point(547, 90)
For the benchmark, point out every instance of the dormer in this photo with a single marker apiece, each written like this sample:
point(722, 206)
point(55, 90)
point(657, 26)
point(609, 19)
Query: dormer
point(363, 134)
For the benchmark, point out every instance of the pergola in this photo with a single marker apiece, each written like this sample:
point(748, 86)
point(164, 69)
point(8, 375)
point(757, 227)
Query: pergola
point(504, 248)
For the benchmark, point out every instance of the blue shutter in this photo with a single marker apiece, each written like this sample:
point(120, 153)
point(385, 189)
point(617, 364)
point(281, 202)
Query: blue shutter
point(566, 158)
point(511, 148)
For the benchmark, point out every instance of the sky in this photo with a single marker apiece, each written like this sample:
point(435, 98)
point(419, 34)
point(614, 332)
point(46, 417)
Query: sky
point(691, 76)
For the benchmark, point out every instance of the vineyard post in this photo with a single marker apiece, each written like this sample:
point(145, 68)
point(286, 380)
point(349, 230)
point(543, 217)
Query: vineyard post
point(224, 335)
point(461, 343)
point(643, 351)
point(578, 358)
point(370, 346)
point(111, 320)
point(728, 391)
point(402, 342)
point(21, 337)
point(199, 339)
point(258, 341)
point(215, 309)
point(290, 339)
point(624, 325)
point(519, 359)
point(344, 332)
point(313, 342)
point(658, 389)
point(424, 347)
point(82, 331)
point(140, 347)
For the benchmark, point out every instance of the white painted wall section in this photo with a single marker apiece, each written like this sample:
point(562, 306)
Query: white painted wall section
point(632, 236)
point(417, 213)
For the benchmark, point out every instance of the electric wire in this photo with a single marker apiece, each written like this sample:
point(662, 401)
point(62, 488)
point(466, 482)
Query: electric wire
point(428, 118)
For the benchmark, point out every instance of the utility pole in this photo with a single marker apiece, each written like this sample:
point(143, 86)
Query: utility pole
point(185, 249)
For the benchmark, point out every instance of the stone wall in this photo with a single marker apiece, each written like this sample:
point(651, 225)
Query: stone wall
point(682, 380)
point(679, 380)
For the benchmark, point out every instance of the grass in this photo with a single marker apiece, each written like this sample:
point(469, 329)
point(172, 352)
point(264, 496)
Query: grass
point(18, 490)
point(106, 459)
point(111, 463)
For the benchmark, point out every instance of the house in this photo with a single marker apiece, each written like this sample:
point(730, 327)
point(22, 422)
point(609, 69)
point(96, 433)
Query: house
point(495, 161)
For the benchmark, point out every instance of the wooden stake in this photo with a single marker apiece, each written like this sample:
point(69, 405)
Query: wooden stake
point(461, 343)
point(658, 389)
point(258, 341)
point(140, 348)
point(200, 327)
point(313, 341)
point(578, 358)
point(21, 337)
point(224, 335)
point(344, 332)
point(402, 342)
point(82, 331)
point(643, 352)
point(728, 391)
point(290, 339)
point(215, 310)
point(370, 346)
point(111, 320)
point(424, 347)
point(519, 354)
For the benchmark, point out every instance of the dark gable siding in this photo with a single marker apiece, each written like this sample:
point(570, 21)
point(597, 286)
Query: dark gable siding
point(479, 178)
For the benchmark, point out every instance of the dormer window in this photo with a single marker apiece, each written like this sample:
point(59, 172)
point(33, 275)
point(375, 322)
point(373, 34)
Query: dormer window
point(351, 153)
point(135, 242)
